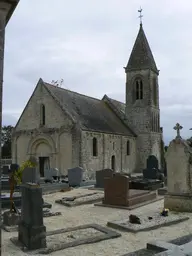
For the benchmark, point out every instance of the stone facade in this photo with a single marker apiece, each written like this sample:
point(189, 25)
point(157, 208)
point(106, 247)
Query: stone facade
point(143, 113)
point(72, 130)
point(109, 145)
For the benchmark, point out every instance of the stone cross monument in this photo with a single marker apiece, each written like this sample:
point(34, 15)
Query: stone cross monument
point(178, 127)
point(7, 8)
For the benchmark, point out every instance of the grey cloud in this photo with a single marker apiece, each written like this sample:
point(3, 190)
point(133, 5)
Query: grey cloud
point(87, 44)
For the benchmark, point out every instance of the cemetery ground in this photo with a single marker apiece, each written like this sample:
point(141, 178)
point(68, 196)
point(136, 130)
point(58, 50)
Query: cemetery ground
point(90, 214)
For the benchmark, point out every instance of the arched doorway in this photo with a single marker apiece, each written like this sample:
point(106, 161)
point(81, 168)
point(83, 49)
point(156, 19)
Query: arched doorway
point(113, 163)
point(42, 148)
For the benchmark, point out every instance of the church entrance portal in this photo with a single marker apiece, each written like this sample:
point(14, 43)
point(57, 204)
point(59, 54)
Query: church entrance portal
point(113, 163)
point(44, 163)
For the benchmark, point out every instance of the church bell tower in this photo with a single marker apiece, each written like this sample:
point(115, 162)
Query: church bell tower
point(142, 100)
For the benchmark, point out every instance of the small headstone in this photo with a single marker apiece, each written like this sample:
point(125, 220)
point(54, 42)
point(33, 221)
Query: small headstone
point(101, 175)
point(10, 218)
point(75, 176)
point(152, 162)
point(14, 167)
point(48, 175)
point(152, 171)
point(5, 171)
point(30, 174)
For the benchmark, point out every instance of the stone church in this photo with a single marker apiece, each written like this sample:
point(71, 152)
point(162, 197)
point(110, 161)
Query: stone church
point(65, 129)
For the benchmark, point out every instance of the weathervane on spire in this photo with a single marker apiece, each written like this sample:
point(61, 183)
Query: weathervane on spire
point(140, 16)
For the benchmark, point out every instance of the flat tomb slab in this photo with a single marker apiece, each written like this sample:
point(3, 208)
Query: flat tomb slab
point(71, 237)
point(81, 200)
point(158, 247)
point(147, 224)
point(137, 198)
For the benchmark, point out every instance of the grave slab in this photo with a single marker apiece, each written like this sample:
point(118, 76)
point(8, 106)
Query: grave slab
point(158, 248)
point(81, 200)
point(147, 224)
point(71, 237)
point(130, 207)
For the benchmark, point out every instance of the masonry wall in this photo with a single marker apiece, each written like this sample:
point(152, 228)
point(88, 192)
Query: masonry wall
point(54, 116)
point(108, 145)
point(54, 139)
point(143, 115)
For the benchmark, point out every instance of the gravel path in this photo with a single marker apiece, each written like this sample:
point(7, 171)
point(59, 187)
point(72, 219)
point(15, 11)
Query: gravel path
point(87, 214)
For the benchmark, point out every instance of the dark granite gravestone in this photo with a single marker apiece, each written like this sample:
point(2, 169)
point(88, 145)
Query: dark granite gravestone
point(32, 232)
point(5, 171)
point(14, 167)
point(75, 176)
point(152, 171)
point(30, 174)
point(101, 175)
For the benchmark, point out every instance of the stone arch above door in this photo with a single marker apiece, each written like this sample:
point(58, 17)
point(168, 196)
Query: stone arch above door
point(41, 143)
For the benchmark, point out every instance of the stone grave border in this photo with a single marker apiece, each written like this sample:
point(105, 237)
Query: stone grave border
point(130, 207)
point(73, 204)
point(177, 242)
point(119, 225)
point(15, 228)
point(108, 234)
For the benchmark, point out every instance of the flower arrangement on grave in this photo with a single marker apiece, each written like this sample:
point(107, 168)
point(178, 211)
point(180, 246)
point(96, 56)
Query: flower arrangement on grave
point(165, 212)
point(15, 178)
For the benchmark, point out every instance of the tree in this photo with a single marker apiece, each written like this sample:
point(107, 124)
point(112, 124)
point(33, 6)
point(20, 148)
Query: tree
point(6, 141)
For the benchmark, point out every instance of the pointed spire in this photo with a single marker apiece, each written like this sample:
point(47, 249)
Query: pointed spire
point(141, 56)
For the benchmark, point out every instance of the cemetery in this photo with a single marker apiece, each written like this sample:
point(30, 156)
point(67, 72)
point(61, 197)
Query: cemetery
point(127, 211)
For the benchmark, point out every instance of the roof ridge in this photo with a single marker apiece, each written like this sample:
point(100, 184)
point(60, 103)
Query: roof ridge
point(81, 94)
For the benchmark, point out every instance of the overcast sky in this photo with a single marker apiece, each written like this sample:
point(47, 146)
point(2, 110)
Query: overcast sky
point(87, 43)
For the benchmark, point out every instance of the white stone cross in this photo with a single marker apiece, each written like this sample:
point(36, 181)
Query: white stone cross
point(178, 127)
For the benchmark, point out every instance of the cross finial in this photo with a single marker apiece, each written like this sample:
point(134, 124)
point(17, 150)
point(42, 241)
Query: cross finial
point(140, 15)
point(178, 127)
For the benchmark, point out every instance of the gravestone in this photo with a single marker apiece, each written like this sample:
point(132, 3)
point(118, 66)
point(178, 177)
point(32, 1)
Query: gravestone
point(51, 174)
point(75, 176)
point(179, 173)
point(14, 167)
point(152, 171)
point(117, 192)
point(48, 175)
point(101, 175)
point(30, 174)
point(5, 171)
point(32, 232)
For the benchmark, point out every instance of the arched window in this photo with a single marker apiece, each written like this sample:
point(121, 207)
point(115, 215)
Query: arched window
point(155, 91)
point(95, 150)
point(113, 163)
point(128, 148)
point(42, 114)
point(139, 89)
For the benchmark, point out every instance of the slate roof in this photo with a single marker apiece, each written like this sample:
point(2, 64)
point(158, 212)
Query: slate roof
point(13, 5)
point(92, 114)
point(141, 56)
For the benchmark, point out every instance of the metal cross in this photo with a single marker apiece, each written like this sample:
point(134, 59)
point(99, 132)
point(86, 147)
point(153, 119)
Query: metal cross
point(178, 127)
point(140, 16)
